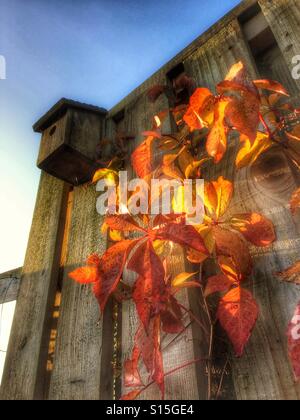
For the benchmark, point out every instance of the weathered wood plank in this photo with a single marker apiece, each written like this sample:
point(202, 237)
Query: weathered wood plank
point(9, 285)
point(283, 17)
point(79, 343)
point(38, 284)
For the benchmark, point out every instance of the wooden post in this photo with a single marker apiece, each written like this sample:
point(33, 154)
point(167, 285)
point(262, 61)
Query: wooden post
point(28, 341)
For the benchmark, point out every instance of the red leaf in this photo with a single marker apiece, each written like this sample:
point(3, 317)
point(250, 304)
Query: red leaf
point(271, 85)
point(131, 374)
point(111, 269)
point(150, 288)
point(231, 244)
point(256, 228)
point(149, 345)
point(218, 283)
point(85, 275)
point(132, 395)
point(142, 158)
point(237, 313)
point(123, 223)
point(171, 317)
point(294, 342)
point(243, 115)
point(182, 234)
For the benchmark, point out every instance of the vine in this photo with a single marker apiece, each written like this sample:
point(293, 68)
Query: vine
point(260, 113)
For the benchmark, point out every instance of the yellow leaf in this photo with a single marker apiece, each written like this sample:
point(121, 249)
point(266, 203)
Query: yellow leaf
point(180, 279)
point(248, 154)
point(217, 196)
point(115, 235)
point(110, 175)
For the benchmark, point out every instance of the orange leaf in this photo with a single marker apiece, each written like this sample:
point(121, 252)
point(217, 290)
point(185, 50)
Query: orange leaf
point(293, 334)
point(201, 110)
point(217, 197)
point(271, 85)
point(217, 139)
point(123, 223)
point(111, 269)
point(256, 228)
point(218, 283)
point(295, 201)
point(237, 313)
point(243, 114)
point(292, 274)
point(85, 275)
point(249, 153)
point(231, 244)
point(142, 158)
point(240, 79)
point(229, 269)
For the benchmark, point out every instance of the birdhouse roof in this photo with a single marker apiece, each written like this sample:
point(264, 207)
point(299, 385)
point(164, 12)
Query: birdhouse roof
point(60, 109)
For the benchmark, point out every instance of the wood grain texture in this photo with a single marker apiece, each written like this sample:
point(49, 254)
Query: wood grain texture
point(9, 285)
point(76, 373)
point(283, 17)
point(38, 285)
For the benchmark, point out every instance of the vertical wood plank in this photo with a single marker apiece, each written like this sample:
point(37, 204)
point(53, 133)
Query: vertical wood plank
point(38, 284)
point(77, 361)
point(283, 17)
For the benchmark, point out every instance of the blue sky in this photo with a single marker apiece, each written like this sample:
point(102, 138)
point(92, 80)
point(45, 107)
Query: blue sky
point(91, 51)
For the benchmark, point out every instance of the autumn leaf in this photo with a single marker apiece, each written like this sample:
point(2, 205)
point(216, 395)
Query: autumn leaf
point(182, 234)
point(250, 152)
point(271, 85)
point(171, 317)
point(180, 281)
point(218, 283)
point(110, 270)
point(200, 112)
point(216, 144)
point(237, 313)
point(123, 223)
point(150, 286)
point(110, 176)
point(149, 344)
point(243, 114)
point(231, 244)
point(217, 197)
point(256, 228)
point(239, 77)
point(142, 158)
point(85, 275)
point(132, 395)
point(293, 334)
point(292, 274)
point(295, 201)
point(132, 376)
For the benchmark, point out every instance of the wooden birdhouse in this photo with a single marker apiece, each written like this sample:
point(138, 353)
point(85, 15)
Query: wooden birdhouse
point(71, 132)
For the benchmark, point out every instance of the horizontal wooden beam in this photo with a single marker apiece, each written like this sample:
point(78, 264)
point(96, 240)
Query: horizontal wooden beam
point(9, 285)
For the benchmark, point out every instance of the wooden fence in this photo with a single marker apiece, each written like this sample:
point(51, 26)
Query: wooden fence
point(59, 349)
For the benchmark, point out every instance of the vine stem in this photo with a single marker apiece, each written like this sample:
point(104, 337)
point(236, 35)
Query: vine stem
point(187, 364)
point(211, 338)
